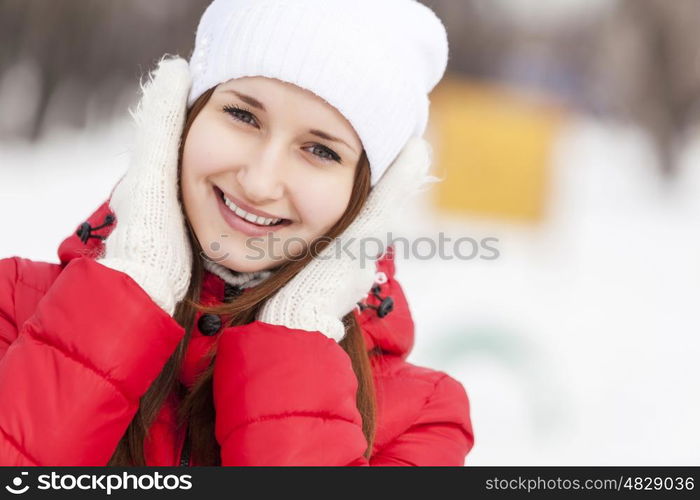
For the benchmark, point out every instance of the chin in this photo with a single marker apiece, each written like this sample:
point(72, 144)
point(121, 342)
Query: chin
point(237, 256)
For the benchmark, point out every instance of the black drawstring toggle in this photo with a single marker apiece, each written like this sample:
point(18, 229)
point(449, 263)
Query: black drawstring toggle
point(386, 304)
point(85, 230)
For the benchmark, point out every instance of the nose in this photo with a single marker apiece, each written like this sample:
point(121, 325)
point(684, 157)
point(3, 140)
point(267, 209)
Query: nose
point(261, 178)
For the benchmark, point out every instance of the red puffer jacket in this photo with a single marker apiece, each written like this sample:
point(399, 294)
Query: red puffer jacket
point(81, 343)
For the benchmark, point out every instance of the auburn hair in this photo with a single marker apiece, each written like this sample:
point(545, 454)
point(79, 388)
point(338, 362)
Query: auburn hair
point(197, 405)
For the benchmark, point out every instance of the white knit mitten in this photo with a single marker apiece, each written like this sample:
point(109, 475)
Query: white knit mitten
point(149, 242)
point(331, 284)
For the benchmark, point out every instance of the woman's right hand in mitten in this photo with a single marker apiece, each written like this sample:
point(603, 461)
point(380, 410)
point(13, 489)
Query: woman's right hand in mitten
point(149, 242)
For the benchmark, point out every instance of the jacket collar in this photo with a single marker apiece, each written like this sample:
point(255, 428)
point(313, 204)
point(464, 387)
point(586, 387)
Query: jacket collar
point(392, 334)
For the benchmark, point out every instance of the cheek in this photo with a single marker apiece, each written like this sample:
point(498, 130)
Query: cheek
point(204, 150)
point(206, 153)
point(321, 204)
point(202, 156)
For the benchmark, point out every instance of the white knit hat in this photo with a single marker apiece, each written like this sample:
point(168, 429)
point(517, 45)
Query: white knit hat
point(375, 61)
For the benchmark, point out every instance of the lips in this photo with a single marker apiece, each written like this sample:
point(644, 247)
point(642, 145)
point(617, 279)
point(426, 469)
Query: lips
point(246, 221)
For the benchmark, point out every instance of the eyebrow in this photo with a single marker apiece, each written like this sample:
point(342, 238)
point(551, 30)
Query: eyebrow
point(252, 101)
point(248, 99)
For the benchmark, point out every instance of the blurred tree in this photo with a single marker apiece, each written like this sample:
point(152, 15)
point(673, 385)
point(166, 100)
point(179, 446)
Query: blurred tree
point(647, 69)
point(91, 46)
point(478, 35)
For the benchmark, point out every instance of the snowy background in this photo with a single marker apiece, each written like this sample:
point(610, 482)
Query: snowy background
point(580, 344)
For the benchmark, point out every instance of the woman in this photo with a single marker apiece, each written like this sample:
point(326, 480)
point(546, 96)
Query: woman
point(219, 307)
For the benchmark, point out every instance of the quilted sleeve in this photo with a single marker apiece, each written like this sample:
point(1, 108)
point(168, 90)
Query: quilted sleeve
point(8, 328)
point(285, 397)
point(441, 436)
point(71, 381)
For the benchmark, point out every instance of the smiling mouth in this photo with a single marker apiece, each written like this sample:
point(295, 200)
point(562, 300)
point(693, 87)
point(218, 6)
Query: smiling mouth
point(247, 216)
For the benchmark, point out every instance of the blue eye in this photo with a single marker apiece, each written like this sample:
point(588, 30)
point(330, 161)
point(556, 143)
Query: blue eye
point(239, 113)
point(330, 154)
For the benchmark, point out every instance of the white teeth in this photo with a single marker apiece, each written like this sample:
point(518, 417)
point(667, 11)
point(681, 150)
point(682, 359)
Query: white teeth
point(262, 221)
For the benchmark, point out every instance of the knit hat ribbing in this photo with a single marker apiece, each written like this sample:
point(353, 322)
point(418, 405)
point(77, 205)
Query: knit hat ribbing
point(375, 61)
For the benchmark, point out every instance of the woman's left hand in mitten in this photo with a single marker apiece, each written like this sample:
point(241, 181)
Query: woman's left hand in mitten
point(332, 283)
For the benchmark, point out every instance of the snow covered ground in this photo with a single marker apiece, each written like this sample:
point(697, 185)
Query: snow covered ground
point(578, 345)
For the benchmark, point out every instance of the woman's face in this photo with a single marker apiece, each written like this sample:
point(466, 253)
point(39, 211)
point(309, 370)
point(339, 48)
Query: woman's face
point(267, 167)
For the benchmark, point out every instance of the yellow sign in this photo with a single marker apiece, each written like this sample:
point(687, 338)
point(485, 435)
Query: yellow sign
point(492, 148)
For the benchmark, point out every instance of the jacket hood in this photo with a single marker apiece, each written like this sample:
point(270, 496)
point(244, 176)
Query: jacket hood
point(392, 333)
